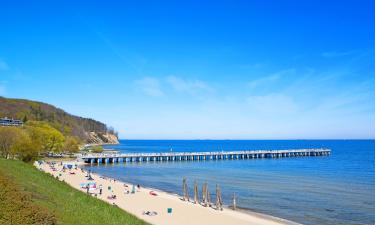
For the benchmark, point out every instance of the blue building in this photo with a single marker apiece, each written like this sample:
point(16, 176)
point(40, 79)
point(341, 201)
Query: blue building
point(10, 122)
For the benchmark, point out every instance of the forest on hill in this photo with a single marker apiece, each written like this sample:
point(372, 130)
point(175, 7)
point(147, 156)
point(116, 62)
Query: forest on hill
point(45, 130)
point(67, 124)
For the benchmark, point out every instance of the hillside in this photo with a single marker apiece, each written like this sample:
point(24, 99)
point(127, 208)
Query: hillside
point(88, 130)
point(29, 196)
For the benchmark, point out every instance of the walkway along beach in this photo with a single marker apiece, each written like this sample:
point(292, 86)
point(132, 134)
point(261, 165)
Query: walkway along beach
point(153, 206)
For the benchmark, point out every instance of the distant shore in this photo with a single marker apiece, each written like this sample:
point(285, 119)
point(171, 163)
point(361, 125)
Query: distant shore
point(143, 201)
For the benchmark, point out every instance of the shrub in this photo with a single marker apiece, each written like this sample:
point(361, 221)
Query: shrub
point(18, 208)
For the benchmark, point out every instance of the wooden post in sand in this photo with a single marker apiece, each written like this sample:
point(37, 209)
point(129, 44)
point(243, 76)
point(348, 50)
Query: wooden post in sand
point(196, 197)
point(208, 196)
point(219, 201)
point(204, 194)
point(185, 190)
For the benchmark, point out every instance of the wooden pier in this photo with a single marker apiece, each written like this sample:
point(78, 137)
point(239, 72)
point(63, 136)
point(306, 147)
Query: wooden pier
point(201, 156)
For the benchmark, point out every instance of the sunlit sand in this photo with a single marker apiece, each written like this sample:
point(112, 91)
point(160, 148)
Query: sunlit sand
point(145, 202)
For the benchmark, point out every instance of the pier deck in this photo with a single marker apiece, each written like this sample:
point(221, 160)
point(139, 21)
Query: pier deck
point(201, 156)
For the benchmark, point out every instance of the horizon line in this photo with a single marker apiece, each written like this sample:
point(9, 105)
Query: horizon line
point(211, 139)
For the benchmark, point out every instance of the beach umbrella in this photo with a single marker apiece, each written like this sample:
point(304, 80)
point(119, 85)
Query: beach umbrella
point(196, 192)
point(219, 203)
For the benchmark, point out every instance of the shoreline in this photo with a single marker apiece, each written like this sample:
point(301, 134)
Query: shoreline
point(225, 207)
point(182, 212)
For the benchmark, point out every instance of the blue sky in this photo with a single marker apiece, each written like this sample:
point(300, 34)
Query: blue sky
point(193, 70)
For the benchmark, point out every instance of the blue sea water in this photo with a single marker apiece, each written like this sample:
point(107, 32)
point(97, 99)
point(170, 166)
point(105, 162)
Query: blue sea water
point(338, 189)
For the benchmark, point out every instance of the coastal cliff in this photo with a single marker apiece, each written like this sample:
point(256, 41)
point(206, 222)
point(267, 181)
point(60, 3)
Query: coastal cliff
point(87, 130)
point(102, 138)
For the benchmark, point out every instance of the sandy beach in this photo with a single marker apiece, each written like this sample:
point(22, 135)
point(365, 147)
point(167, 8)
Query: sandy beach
point(183, 213)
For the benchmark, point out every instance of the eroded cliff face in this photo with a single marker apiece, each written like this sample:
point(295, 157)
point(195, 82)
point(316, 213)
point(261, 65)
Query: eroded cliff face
point(102, 138)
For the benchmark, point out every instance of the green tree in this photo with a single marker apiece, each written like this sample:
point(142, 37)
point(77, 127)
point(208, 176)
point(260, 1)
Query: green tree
point(24, 119)
point(16, 143)
point(48, 138)
point(71, 145)
point(24, 148)
point(8, 137)
point(97, 149)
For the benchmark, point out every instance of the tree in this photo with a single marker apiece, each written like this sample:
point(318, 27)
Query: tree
point(53, 140)
point(97, 149)
point(111, 130)
point(24, 120)
point(16, 143)
point(48, 138)
point(8, 137)
point(24, 148)
point(71, 144)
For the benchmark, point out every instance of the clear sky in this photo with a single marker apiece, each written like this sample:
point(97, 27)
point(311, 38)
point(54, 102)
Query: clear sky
point(193, 70)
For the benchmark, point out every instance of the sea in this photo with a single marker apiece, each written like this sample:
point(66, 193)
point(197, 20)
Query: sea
point(335, 189)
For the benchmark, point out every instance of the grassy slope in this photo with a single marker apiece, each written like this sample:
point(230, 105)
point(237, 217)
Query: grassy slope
point(68, 205)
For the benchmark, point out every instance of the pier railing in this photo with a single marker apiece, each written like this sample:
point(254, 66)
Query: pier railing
point(193, 156)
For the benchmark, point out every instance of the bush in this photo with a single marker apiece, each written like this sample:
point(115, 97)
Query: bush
point(18, 208)
point(97, 149)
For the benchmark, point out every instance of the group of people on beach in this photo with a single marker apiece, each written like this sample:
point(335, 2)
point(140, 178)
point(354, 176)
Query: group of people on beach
point(90, 187)
point(64, 169)
point(110, 189)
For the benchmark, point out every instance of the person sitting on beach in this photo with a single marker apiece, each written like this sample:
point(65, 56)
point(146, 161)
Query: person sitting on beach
point(148, 213)
point(112, 197)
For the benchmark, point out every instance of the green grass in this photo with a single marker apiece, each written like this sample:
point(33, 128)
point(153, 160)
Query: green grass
point(53, 198)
